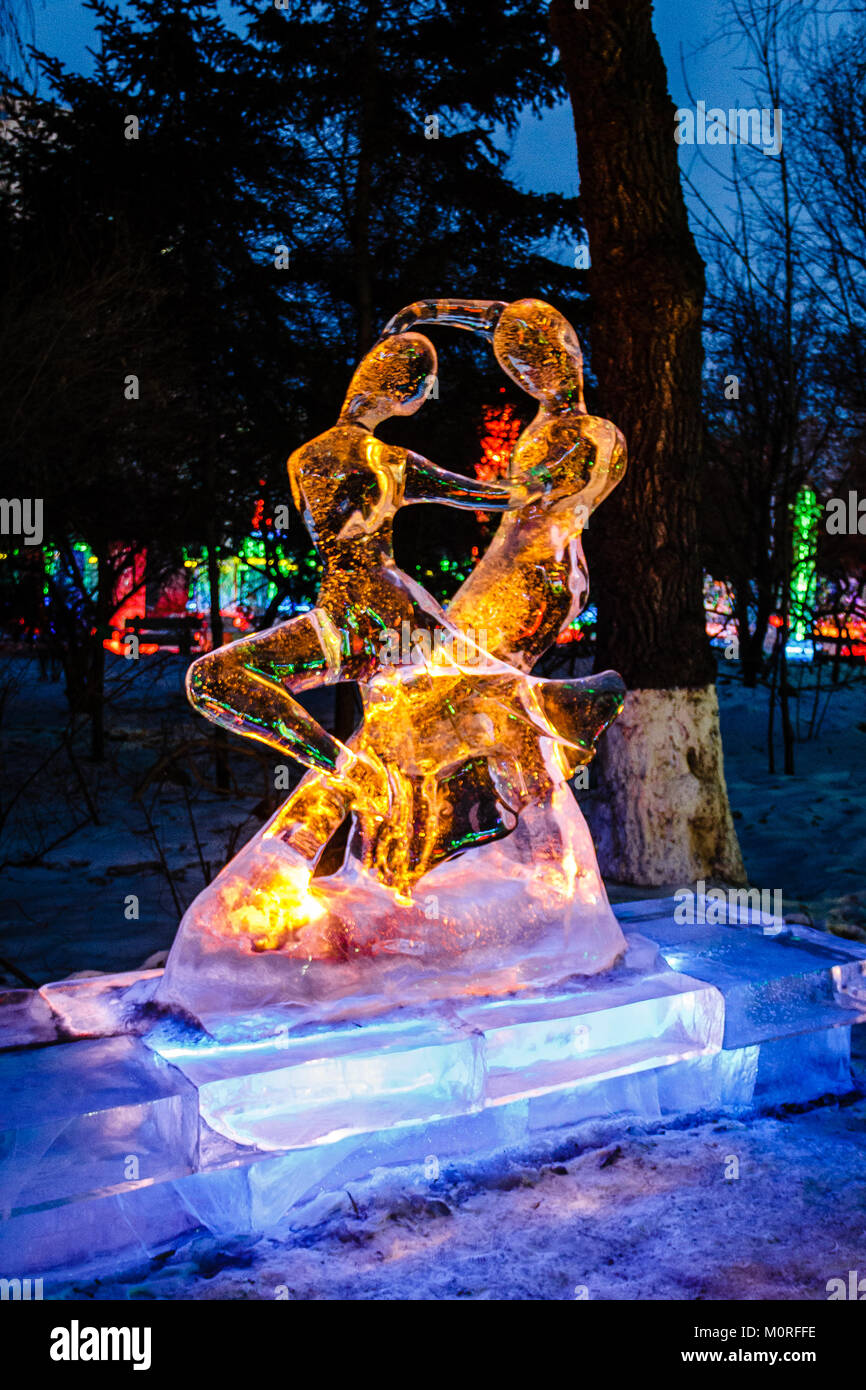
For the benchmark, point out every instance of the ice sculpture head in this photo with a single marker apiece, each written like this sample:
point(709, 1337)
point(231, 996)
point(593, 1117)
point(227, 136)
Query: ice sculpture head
point(394, 378)
point(538, 348)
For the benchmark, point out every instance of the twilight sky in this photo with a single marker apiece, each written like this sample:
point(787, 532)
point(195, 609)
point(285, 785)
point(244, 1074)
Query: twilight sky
point(543, 152)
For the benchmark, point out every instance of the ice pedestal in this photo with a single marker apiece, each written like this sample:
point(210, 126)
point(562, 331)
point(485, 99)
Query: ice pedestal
point(791, 996)
point(778, 980)
point(291, 1087)
point(92, 1006)
point(286, 1092)
point(262, 1116)
point(514, 913)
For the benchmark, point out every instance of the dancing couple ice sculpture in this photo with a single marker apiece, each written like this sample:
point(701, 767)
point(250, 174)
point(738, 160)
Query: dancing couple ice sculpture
point(469, 868)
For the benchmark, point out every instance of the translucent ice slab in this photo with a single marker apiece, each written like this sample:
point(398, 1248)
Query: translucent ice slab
point(535, 1046)
point(88, 1117)
point(290, 1092)
point(778, 980)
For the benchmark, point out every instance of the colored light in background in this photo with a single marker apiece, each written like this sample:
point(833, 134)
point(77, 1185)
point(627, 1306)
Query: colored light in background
point(806, 511)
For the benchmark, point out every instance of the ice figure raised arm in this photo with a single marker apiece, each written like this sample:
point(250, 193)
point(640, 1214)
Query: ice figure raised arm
point(479, 315)
point(532, 580)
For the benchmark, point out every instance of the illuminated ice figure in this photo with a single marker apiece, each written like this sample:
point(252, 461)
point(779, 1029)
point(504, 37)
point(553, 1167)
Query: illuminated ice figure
point(469, 867)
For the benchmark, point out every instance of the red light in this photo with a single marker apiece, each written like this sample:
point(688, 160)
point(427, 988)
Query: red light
point(499, 433)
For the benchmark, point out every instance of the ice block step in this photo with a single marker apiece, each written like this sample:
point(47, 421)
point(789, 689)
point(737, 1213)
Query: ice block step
point(25, 1019)
point(776, 982)
point(91, 1117)
point(101, 1005)
point(93, 1006)
point(286, 1090)
point(533, 1046)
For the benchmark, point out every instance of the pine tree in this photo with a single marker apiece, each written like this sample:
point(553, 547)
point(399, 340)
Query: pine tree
point(144, 312)
point(395, 185)
point(400, 189)
point(229, 219)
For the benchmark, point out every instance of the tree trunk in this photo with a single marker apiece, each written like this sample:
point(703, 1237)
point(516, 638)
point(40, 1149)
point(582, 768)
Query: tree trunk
point(748, 652)
point(217, 633)
point(752, 661)
point(646, 285)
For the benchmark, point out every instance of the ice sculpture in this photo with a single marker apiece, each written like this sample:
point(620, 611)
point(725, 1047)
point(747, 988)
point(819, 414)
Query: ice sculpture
point(469, 867)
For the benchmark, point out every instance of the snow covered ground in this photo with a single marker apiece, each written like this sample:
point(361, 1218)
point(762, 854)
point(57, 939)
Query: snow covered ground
point(772, 1208)
point(163, 828)
point(804, 834)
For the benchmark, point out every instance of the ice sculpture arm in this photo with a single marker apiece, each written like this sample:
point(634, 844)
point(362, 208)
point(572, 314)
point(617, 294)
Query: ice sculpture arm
point(425, 482)
point(309, 817)
point(476, 315)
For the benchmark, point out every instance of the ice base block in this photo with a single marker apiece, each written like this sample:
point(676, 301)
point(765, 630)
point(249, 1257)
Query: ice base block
point(123, 1132)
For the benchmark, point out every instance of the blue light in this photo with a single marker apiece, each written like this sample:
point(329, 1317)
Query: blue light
point(800, 651)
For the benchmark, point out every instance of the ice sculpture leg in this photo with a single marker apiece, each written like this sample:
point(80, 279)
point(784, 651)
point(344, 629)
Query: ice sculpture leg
point(245, 687)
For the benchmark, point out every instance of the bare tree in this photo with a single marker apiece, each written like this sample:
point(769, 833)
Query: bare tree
point(776, 266)
point(16, 33)
point(829, 172)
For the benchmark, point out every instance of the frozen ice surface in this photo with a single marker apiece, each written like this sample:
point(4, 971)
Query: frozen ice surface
point(724, 1081)
point(87, 1117)
point(537, 1045)
point(25, 1018)
point(142, 1221)
point(810, 1064)
point(522, 911)
point(271, 1081)
point(101, 1005)
point(776, 983)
